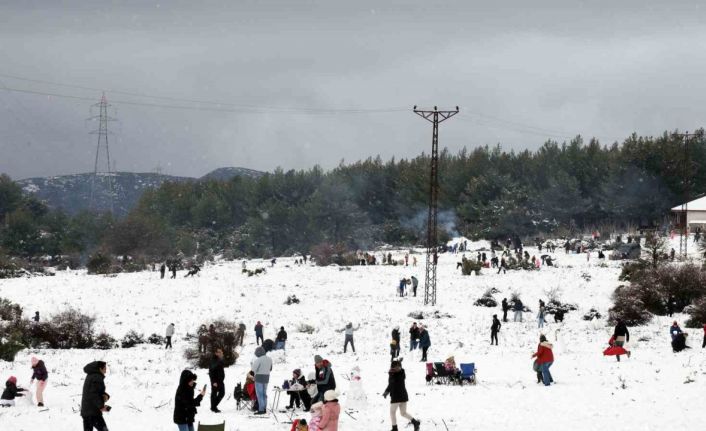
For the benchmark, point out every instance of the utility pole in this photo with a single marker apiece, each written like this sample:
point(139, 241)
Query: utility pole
point(686, 181)
point(435, 117)
point(102, 133)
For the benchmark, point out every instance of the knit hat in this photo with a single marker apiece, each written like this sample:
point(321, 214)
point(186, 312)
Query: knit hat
point(34, 361)
point(12, 380)
point(297, 372)
point(318, 358)
point(330, 395)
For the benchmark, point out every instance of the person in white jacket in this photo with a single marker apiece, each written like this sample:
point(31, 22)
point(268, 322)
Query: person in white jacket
point(348, 330)
point(261, 365)
point(168, 335)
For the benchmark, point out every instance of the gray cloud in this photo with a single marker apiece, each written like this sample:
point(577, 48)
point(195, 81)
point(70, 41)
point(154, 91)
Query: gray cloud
point(521, 73)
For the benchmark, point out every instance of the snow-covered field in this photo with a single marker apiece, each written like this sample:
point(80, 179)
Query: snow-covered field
point(654, 390)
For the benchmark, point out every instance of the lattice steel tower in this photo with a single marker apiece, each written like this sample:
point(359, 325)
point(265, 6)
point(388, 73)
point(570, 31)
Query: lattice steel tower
point(98, 169)
point(435, 117)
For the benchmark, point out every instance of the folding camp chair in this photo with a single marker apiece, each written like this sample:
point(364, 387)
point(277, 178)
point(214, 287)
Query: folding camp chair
point(217, 427)
point(430, 373)
point(468, 373)
point(441, 375)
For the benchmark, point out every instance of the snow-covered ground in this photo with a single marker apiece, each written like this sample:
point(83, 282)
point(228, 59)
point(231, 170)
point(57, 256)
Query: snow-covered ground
point(654, 390)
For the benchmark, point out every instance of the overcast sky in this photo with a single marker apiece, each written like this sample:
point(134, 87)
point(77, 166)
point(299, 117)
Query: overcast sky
point(522, 72)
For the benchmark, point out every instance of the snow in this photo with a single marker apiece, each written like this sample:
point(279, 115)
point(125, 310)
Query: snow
point(646, 392)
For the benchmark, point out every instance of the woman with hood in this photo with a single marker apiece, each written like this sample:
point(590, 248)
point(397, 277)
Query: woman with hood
point(545, 359)
point(184, 402)
point(315, 420)
point(330, 412)
point(261, 366)
point(11, 392)
point(40, 373)
point(398, 395)
point(93, 397)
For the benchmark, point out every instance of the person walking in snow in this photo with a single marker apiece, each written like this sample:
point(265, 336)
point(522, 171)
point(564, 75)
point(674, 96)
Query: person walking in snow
point(540, 316)
point(545, 359)
point(261, 365)
point(424, 342)
point(94, 397)
point(240, 334)
point(281, 340)
point(217, 374)
point(173, 269)
point(11, 391)
point(413, 337)
point(162, 270)
point(403, 284)
point(397, 391)
point(494, 329)
point(503, 266)
point(325, 379)
point(40, 374)
point(415, 284)
point(518, 307)
point(621, 335)
point(505, 307)
point(168, 335)
point(348, 330)
point(258, 333)
point(703, 345)
point(395, 343)
point(185, 403)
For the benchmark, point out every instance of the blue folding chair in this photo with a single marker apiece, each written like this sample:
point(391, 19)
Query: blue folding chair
point(468, 373)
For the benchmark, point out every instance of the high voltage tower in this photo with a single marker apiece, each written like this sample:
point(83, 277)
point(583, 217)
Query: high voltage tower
point(686, 181)
point(106, 173)
point(435, 117)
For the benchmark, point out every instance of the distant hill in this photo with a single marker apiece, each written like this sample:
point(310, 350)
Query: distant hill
point(225, 174)
point(72, 193)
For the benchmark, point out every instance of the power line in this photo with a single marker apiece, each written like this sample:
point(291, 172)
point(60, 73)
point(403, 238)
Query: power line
point(219, 105)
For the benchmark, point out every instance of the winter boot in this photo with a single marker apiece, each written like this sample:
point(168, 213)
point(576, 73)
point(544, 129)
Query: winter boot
point(394, 427)
point(416, 424)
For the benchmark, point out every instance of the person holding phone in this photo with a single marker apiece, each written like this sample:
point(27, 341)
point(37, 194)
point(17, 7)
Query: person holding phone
point(184, 402)
point(94, 397)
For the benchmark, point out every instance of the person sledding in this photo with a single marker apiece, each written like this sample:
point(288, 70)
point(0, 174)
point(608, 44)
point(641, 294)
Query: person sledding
point(615, 350)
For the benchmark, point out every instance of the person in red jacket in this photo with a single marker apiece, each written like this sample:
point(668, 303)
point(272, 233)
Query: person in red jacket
point(250, 389)
point(545, 359)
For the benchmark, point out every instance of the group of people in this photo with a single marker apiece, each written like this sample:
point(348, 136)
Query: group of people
point(12, 390)
point(413, 281)
point(419, 338)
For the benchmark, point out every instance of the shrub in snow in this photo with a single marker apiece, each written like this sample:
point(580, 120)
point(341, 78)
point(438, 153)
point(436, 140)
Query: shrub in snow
point(630, 268)
point(697, 314)
point(416, 315)
point(592, 314)
point(555, 305)
point(155, 339)
point(486, 300)
point(104, 341)
point(70, 329)
point(469, 266)
point(305, 328)
point(292, 300)
point(99, 264)
point(325, 254)
point(8, 349)
point(222, 336)
point(629, 307)
point(9, 310)
point(132, 339)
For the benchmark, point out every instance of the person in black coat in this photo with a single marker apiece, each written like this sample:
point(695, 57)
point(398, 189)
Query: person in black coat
point(10, 392)
point(162, 270)
point(184, 402)
point(506, 308)
point(397, 391)
point(297, 391)
point(395, 343)
point(281, 340)
point(494, 329)
point(217, 374)
point(93, 397)
point(325, 379)
point(621, 335)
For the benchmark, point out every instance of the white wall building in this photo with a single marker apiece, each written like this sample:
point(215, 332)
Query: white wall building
point(695, 214)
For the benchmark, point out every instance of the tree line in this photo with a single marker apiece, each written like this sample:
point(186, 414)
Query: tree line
point(487, 192)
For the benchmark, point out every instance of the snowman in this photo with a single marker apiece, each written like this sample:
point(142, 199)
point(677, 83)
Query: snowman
point(355, 397)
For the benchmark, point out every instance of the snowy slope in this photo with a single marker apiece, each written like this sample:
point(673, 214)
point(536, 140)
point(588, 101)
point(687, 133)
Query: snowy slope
point(645, 392)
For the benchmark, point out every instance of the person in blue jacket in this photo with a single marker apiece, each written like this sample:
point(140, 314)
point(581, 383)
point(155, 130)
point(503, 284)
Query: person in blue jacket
point(674, 330)
point(424, 341)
